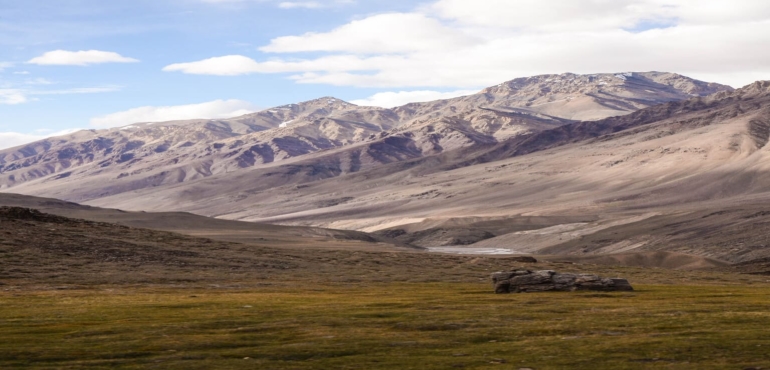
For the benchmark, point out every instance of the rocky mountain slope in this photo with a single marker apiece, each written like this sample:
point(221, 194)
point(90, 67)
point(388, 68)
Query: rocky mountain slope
point(623, 178)
point(93, 164)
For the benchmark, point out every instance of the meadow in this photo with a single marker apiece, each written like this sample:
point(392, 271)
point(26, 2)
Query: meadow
point(382, 325)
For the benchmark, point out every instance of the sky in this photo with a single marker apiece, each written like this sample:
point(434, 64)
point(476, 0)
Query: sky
point(95, 64)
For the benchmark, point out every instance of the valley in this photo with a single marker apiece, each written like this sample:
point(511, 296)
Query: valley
point(320, 234)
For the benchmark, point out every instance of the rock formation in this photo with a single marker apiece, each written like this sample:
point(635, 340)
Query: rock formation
point(522, 281)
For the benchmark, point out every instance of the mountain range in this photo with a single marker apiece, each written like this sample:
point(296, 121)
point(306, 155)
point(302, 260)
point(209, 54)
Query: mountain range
point(152, 154)
point(554, 164)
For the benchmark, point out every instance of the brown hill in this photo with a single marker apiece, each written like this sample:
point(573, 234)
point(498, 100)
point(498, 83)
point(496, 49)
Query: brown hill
point(206, 227)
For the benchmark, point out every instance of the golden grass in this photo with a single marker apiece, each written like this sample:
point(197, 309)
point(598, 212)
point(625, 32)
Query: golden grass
point(386, 326)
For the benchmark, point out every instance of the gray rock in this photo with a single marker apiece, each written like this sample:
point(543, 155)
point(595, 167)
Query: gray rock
point(520, 272)
point(503, 287)
point(585, 278)
point(517, 281)
point(500, 276)
point(621, 284)
point(535, 288)
point(568, 279)
point(532, 279)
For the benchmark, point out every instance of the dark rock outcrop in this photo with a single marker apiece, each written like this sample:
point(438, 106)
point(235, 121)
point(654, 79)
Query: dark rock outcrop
point(521, 281)
point(20, 213)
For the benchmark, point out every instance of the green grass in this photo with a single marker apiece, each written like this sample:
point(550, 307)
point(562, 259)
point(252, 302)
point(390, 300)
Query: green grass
point(387, 326)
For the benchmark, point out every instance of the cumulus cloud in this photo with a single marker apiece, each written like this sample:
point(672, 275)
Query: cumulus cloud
point(380, 34)
point(396, 99)
point(80, 58)
point(229, 65)
point(208, 110)
point(12, 139)
point(461, 44)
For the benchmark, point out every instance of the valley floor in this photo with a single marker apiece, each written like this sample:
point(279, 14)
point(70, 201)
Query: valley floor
point(306, 324)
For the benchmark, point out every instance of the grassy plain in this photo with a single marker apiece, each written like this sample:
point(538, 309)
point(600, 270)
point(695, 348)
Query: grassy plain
point(386, 326)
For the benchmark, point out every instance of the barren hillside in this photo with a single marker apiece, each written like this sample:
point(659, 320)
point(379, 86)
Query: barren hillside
point(93, 164)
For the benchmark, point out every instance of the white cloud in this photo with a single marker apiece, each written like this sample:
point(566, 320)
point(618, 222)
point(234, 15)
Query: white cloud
point(21, 73)
point(380, 34)
point(12, 139)
point(587, 15)
point(557, 15)
point(718, 12)
point(313, 4)
point(12, 97)
point(229, 65)
point(208, 110)
point(461, 44)
point(39, 81)
point(234, 65)
point(80, 58)
point(300, 4)
point(288, 4)
point(396, 99)
point(78, 90)
point(4, 65)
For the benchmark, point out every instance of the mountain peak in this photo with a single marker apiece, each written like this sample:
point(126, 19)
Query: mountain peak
point(327, 100)
point(755, 88)
point(581, 83)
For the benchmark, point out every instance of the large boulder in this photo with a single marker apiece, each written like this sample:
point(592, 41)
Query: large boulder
point(519, 281)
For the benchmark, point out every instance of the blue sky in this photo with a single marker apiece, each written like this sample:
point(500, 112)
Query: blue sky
point(67, 64)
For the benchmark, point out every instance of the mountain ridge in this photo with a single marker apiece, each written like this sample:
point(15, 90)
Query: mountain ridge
point(156, 154)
